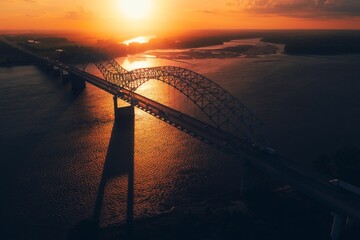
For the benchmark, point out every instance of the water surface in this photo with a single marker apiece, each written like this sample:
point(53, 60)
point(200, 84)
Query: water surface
point(54, 144)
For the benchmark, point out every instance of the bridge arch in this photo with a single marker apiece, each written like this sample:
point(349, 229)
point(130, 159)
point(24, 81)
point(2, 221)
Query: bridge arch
point(224, 110)
point(108, 68)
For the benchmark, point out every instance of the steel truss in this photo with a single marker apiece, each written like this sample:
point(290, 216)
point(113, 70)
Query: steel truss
point(224, 110)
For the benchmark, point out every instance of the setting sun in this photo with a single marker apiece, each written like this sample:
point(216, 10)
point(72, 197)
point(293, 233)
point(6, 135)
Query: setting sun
point(135, 9)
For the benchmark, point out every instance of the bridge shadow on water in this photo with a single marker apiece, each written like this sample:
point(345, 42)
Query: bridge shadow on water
point(119, 162)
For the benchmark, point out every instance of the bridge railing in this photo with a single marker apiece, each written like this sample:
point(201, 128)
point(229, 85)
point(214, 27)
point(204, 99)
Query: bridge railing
point(223, 110)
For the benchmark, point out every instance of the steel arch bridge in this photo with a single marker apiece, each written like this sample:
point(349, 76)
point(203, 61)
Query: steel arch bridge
point(223, 110)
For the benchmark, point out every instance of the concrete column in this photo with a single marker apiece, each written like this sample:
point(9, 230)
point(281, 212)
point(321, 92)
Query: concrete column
point(123, 114)
point(77, 84)
point(349, 223)
point(56, 72)
point(64, 76)
point(336, 227)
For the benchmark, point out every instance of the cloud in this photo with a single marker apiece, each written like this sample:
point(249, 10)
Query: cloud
point(78, 14)
point(301, 8)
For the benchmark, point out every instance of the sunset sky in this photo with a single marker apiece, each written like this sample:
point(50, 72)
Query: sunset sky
point(166, 15)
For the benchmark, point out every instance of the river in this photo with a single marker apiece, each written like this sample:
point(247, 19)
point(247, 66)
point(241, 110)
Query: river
point(54, 143)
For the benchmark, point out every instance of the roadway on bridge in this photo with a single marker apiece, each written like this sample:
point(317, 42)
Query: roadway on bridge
point(273, 164)
point(306, 181)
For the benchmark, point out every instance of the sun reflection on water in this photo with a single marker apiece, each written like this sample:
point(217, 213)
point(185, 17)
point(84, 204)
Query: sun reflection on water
point(140, 39)
point(137, 62)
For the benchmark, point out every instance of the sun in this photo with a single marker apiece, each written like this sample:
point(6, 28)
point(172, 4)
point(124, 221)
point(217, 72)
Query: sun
point(135, 9)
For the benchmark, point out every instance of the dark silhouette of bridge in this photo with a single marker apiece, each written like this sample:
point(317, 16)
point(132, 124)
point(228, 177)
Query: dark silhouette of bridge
point(233, 129)
point(223, 110)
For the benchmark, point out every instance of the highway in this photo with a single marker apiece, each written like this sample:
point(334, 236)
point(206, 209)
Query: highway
point(301, 178)
point(273, 164)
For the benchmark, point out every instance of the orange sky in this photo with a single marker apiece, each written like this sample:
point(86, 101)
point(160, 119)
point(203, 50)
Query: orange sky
point(166, 15)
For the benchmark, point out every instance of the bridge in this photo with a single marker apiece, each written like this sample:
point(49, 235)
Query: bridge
point(233, 129)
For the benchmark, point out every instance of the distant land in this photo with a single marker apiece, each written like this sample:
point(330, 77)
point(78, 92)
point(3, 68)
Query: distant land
point(317, 42)
point(297, 42)
point(62, 47)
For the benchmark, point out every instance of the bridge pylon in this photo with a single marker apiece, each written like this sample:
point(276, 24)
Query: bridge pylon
point(64, 76)
point(123, 115)
point(77, 83)
point(56, 72)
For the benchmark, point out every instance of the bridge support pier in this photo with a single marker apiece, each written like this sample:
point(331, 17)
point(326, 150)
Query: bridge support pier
point(336, 227)
point(77, 84)
point(56, 72)
point(123, 115)
point(64, 76)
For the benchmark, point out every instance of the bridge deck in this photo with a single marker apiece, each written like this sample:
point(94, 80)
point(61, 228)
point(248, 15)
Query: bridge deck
point(296, 175)
point(303, 179)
